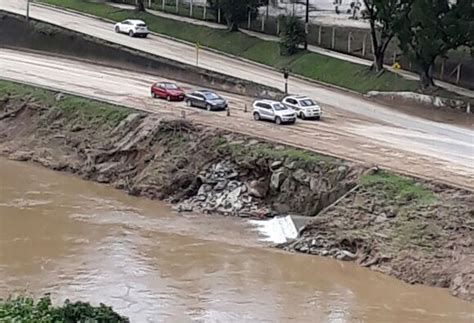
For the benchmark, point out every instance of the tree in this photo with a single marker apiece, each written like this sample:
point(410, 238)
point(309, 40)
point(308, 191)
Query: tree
point(384, 17)
point(433, 27)
point(292, 34)
point(308, 8)
point(236, 11)
point(140, 5)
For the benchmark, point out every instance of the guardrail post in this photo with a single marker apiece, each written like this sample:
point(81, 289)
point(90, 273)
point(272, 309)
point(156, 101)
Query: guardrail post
point(278, 26)
point(349, 38)
point(248, 19)
point(219, 15)
point(458, 75)
point(263, 22)
point(441, 74)
point(177, 6)
point(363, 45)
point(245, 108)
point(204, 10)
point(27, 10)
point(333, 43)
point(319, 34)
point(228, 111)
point(191, 8)
point(468, 108)
point(163, 5)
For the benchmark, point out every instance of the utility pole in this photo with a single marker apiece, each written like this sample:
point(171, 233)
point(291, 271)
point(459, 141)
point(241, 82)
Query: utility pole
point(197, 54)
point(27, 10)
point(306, 27)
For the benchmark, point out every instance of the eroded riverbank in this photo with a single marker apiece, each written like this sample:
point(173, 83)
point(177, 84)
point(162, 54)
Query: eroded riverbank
point(87, 241)
point(417, 231)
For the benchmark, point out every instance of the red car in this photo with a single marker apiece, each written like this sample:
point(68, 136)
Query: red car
point(168, 91)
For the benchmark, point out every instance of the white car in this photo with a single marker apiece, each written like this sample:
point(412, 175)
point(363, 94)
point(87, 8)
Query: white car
point(304, 107)
point(273, 111)
point(132, 27)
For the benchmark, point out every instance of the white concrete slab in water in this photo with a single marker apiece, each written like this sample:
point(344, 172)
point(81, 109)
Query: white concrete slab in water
point(276, 230)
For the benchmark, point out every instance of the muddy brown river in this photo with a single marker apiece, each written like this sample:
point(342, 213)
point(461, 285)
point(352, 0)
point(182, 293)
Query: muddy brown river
point(84, 241)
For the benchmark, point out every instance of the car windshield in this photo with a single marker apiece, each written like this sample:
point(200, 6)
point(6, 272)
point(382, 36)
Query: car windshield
point(279, 107)
point(211, 96)
point(307, 103)
point(141, 25)
point(170, 86)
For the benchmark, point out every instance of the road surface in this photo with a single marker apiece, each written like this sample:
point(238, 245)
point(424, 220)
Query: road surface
point(315, 49)
point(444, 153)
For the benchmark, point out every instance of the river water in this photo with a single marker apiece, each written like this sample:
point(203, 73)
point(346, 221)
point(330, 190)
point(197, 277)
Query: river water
point(86, 241)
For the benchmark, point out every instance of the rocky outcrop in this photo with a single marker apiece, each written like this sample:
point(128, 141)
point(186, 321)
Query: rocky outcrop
point(223, 191)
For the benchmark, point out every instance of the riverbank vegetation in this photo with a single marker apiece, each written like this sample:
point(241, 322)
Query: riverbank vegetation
point(27, 309)
point(91, 111)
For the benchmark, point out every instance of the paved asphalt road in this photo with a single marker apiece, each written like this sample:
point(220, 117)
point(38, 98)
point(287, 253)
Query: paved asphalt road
point(353, 127)
point(311, 48)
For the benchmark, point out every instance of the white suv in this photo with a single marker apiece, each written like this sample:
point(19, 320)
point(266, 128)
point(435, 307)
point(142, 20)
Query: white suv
point(132, 27)
point(304, 107)
point(273, 111)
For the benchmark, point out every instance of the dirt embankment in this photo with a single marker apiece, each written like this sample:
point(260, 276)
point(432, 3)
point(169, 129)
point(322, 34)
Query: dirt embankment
point(416, 231)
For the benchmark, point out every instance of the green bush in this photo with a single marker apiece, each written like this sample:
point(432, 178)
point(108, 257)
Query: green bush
point(25, 309)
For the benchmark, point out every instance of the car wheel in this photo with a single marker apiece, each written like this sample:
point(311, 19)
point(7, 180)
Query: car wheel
point(153, 95)
point(256, 116)
point(208, 107)
point(130, 33)
point(302, 115)
point(145, 35)
point(318, 118)
point(117, 29)
point(168, 98)
point(278, 120)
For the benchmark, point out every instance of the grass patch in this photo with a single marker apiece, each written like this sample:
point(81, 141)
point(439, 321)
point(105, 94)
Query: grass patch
point(398, 188)
point(318, 67)
point(348, 75)
point(268, 53)
point(72, 107)
point(294, 155)
point(240, 150)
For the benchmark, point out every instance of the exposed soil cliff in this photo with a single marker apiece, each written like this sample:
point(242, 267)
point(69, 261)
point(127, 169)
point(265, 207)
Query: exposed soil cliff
point(420, 232)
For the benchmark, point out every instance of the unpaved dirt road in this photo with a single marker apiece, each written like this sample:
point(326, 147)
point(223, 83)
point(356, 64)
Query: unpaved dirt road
point(444, 153)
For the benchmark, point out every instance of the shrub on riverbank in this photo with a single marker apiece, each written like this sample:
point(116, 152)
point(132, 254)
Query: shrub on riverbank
point(26, 309)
